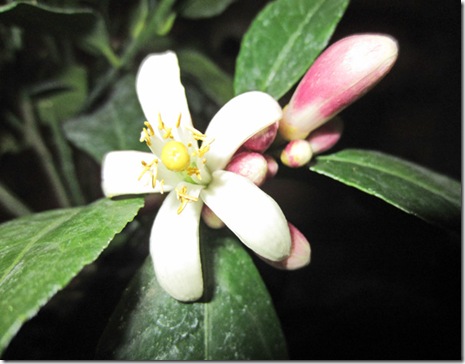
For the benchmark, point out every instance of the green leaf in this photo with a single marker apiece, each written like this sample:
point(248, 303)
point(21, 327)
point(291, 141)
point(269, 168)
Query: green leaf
point(138, 18)
point(282, 43)
point(148, 22)
point(197, 9)
point(216, 84)
point(116, 125)
point(237, 322)
point(416, 190)
point(84, 25)
point(61, 104)
point(41, 253)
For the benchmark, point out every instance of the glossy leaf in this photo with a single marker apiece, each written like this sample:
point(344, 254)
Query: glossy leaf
point(41, 253)
point(282, 43)
point(236, 320)
point(413, 189)
point(116, 125)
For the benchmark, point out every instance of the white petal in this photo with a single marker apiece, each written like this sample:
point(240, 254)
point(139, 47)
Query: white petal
point(238, 120)
point(250, 213)
point(160, 90)
point(174, 247)
point(121, 171)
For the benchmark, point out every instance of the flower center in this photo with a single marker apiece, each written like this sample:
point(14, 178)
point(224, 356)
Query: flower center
point(175, 156)
point(180, 154)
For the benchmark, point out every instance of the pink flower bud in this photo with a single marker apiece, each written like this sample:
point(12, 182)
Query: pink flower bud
point(250, 165)
point(326, 136)
point(296, 153)
point(341, 74)
point(272, 166)
point(210, 218)
point(263, 139)
point(300, 252)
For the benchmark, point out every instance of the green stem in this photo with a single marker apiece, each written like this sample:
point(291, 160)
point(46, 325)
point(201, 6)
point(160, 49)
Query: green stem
point(101, 86)
point(154, 25)
point(12, 203)
point(34, 138)
point(67, 163)
point(111, 57)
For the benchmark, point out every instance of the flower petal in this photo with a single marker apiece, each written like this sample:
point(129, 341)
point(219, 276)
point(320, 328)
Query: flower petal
point(300, 252)
point(174, 247)
point(238, 120)
point(161, 92)
point(121, 171)
point(250, 213)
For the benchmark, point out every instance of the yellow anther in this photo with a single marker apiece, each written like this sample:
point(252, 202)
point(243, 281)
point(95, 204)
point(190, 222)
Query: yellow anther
point(151, 132)
point(152, 168)
point(184, 198)
point(203, 150)
point(167, 134)
point(196, 134)
point(194, 170)
point(161, 124)
point(145, 137)
point(175, 156)
point(178, 122)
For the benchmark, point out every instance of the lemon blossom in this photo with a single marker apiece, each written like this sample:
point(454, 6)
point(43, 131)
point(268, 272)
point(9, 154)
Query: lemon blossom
point(189, 166)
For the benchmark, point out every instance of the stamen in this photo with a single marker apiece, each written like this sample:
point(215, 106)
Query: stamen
point(194, 170)
point(196, 134)
point(168, 133)
point(152, 168)
point(146, 137)
point(178, 122)
point(184, 198)
point(161, 124)
point(203, 150)
point(151, 132)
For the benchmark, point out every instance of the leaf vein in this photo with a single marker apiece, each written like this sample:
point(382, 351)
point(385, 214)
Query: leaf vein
point(282, 56)
point(38, 237)
point(411, 180)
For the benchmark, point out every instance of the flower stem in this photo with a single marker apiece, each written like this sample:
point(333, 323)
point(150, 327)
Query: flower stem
point(12, 203)
point(35, 140)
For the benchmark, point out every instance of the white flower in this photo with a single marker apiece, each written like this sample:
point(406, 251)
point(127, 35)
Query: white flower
point(194, 175)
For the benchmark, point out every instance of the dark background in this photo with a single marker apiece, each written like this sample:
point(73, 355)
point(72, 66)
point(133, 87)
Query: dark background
point(382, 284)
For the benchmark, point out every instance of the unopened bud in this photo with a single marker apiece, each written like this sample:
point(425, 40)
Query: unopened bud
point(250, 165)
point(340, 75)
point(326, 136)
point(210, 218)
point(300, 252)
point(296, 153)
point(273, 166)
point(263, 139)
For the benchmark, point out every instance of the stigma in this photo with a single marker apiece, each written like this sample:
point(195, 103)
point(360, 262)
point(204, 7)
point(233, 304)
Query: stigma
point(175, 156)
